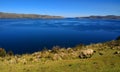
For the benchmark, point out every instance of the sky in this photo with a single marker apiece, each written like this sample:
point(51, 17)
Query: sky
point(66, 8)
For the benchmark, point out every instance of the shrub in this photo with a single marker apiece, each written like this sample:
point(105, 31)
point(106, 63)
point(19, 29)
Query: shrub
point(117, 52)
point(44, 49)
point(55, 49)
point(118, 38)
point(2, 52)
point(10, 53)
point(79, 47)
point(70, 50)
point(101, 53)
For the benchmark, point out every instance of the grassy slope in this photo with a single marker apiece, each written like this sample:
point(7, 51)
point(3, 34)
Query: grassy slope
point(108, 62)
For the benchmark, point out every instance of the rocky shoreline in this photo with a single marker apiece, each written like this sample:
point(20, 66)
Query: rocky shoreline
point(57, 53)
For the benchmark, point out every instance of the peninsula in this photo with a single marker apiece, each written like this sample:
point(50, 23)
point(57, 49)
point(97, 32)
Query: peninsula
point(100, 17)
point(15, 15)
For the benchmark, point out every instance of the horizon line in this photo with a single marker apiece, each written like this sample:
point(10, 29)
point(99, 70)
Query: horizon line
point(60, 15)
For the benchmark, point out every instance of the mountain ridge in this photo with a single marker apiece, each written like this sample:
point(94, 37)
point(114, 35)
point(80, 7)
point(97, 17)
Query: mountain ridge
point(100, 17)
point(15, 15)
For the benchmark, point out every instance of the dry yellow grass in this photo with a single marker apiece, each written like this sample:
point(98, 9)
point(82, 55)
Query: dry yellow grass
point(106, 59)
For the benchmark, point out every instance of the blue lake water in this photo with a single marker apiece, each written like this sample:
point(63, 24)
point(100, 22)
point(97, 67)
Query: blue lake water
point(30, 35)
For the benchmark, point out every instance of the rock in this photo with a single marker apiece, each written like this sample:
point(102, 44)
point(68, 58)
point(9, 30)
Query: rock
point(87, 53)
point(117, 52)
point(57, 57)
point(69, 50)
point(101, 53)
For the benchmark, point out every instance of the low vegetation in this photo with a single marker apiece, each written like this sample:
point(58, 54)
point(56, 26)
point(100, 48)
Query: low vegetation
point(100, 57)
point(118, 38)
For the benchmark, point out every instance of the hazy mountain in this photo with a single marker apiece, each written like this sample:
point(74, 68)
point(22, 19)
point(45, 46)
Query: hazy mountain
point(101, 17)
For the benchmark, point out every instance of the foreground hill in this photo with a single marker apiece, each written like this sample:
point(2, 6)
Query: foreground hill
point(14, 15)
point(101, 17)
point(106, 58)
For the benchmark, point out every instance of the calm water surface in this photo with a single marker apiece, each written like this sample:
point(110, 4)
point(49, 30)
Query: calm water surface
point(30, 35)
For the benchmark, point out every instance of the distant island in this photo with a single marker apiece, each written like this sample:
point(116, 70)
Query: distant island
point(14, 15)
point(100, 17)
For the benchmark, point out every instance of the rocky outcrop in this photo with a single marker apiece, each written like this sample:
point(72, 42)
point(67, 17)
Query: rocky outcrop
point(87, 53)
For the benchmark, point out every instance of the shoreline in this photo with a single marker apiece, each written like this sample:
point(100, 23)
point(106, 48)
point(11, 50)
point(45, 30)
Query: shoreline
point(105, 56)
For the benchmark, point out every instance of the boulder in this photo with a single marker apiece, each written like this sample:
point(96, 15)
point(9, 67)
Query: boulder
point(87, 53)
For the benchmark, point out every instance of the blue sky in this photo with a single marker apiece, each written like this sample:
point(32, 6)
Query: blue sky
point(67, 8)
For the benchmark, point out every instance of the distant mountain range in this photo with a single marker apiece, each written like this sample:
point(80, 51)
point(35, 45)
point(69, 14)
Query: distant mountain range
point(101, 17)
point(14, 15)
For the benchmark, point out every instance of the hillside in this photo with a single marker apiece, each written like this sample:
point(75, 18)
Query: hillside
point(14, 15)
point(106, 58)
point(101, 17)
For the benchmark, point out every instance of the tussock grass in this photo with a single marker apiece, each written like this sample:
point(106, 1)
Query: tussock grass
point(106, 59)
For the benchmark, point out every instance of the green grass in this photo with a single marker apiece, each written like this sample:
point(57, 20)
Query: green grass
point(105, 63)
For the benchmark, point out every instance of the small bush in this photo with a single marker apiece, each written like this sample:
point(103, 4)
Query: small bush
point(55, 49)
point(118, 38)
point(79, 47)
point(117, 52)
point(44, 49)
point(10, 53)
point(2, 52)
point(101, 53)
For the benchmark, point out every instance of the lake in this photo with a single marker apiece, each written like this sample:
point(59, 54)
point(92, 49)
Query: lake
point(31, 35)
